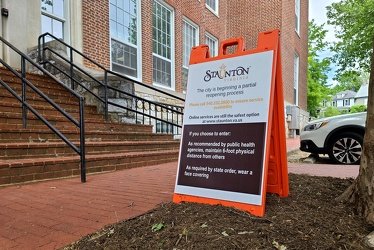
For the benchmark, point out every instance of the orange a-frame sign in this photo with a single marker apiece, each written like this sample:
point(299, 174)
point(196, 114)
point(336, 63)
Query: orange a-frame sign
point(233, 145)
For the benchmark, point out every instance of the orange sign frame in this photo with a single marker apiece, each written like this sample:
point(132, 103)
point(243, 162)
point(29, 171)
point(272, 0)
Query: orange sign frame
point(276, 179)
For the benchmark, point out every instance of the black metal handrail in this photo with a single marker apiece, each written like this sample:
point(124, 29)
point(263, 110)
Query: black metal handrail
point(142, 108)
point(25, 105)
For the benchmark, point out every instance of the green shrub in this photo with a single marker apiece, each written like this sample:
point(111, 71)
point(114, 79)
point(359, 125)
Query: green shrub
point(358, 108)
point(331, 111)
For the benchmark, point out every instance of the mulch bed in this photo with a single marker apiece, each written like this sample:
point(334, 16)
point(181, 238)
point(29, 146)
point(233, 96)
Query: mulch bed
point(309, 218)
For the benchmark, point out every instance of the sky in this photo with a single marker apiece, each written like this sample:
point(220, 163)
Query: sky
point(317, 11)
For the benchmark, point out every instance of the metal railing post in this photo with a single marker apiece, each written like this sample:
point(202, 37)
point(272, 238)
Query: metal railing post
point(41, 52)
point(106, 94)
point(71, 70)
point(82, 140)
point(24, 97)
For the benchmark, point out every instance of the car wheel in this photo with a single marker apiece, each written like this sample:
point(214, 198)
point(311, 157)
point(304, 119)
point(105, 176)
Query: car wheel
point(346, 148)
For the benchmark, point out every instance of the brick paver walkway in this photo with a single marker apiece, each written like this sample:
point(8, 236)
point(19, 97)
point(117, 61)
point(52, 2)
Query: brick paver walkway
point(50, 215)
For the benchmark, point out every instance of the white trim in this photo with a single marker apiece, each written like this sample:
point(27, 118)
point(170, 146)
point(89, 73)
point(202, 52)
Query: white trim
point(187, 20)
point(210, 36)
point(297, 16)
point(215, 11)
point(172, 47)
point(296, 78)
point(163, 86)
point(140, 48)
point(195, 28)
point(76, 26)
point(65, 20)
point(138, 45)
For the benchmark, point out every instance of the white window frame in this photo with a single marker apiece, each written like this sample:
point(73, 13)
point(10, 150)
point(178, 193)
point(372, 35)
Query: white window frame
point(213, 8)
point(65, 20)
point(137, 46)
point(297, 16)
point(187, 52)
point(172, 48)
point(213, 50)
point(296, 78)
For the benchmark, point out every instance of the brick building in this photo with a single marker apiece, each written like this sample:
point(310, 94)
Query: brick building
point(150, 40)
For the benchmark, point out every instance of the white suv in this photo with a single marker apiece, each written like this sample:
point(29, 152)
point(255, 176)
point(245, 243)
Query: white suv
point(341, 137)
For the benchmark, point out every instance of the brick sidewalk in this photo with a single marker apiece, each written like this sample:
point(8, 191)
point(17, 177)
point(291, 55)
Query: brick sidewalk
point(292, 144)
point(50, 215)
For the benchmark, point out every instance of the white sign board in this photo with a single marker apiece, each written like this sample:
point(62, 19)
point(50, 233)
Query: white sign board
point(225, 126)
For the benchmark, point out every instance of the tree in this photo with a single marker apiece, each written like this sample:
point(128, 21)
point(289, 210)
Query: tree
point(349, 80)
point(361, 191)
point(353, 18)
point(317, 68)
point(354, 30)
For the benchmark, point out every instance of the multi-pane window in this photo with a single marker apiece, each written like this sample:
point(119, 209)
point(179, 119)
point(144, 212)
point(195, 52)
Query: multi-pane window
point(212, 42)
point(53, 17)
point(190, 39)
point(296, 79)
point(124, 36)
point(297, 16)
point(162, 42)
point(213, 5)
point(163, 127)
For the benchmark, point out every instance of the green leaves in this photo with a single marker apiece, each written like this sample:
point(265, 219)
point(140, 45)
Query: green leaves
point(354, 27)
point(358, 108)
point(317, 68)
point(157, 227)
point(349, 80)
point(225, 234)
point(279, 246)
point(204, 225)
point(316, 36)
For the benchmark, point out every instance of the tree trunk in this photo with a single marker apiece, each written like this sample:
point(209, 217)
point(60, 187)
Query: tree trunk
point(361, 192)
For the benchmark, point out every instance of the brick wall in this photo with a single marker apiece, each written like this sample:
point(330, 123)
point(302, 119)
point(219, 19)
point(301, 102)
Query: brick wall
point(147, 41)
point(248, 18)
point(303, 53)
point(235, 18)
point(291, 43)
point(96, 43)
point(288, 36)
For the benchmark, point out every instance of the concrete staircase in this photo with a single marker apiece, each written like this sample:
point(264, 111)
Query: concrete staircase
point(35, 153)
